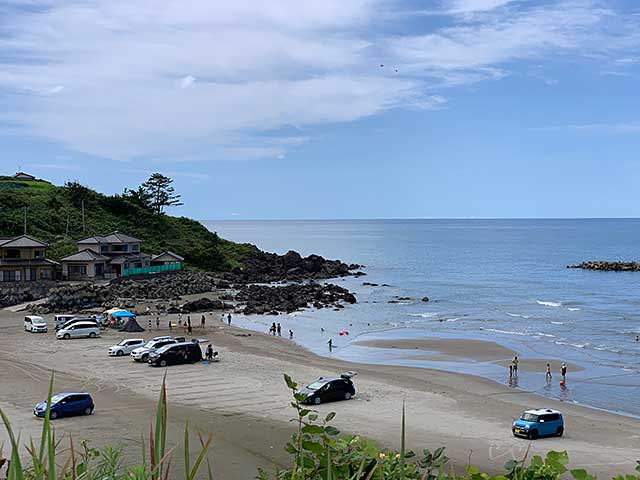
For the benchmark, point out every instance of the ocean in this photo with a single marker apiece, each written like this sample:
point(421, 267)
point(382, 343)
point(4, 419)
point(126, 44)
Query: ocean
point(504, 281)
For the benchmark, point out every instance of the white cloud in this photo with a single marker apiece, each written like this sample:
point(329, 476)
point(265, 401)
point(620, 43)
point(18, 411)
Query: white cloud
point(187, 81)
point(130, 68)
point(468, 6)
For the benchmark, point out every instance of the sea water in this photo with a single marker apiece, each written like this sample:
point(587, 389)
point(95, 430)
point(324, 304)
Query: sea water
point(498, 280)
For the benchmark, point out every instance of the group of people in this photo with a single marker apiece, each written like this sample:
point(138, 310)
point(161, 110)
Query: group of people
point(276, 329)
point(513, 370)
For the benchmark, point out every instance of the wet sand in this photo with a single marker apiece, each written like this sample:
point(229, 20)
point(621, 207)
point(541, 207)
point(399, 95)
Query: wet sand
point(449, 349)
point(243, 401)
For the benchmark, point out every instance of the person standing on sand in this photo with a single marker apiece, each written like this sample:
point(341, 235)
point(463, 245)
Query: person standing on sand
point(157, 323)
point(548, 374)
point(202, 320)
point(209, 352)
point(229, 319)
point(279, 330)
point(169, 325)
point(290, 334)
point(330, 343)
point(515, 362)
point(510, 371)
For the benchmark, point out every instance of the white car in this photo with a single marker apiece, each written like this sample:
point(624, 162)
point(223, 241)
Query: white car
point(79, 330)
point(35, 324)
point(125, 347)
point(141, 354)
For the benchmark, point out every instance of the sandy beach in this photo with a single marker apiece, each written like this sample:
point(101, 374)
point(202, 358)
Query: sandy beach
point(243, 400)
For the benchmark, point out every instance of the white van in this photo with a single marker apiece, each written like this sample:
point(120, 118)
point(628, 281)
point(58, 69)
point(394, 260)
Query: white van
point(35, 324)
point(60, 320)
point(79, 330)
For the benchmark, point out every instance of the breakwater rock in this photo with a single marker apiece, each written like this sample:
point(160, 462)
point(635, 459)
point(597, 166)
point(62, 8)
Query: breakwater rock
point(263, 299)
point(170, 286)
point(606, 266)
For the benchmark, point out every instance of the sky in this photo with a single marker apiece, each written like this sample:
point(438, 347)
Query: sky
point(333, 108)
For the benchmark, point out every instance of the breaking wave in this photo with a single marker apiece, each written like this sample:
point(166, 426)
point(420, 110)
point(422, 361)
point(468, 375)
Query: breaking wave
point(549, 304)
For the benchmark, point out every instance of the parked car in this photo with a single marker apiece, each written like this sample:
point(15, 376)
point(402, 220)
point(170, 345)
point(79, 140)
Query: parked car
point(35, 324)
point(79, 330)
point(60, 320)
point(141, 354)
point(330, 389)
point(68, 323)
point(66, 405)
point(541, 422)
point(125, 347)
point(184, 352)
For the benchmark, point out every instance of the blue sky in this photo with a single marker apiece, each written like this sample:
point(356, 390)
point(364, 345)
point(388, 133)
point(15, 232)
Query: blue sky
point(483, 108)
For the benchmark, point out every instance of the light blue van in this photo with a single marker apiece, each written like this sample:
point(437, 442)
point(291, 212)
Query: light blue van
point(541, 422)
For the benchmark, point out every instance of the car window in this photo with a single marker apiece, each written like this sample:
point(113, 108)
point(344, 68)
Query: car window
point(529, 417)
point(316, 385)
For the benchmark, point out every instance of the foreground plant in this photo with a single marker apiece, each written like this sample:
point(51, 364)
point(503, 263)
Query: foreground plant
point(49, 461)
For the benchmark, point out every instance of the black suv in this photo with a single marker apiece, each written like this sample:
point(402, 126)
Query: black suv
point(330, 389)
point(176, 354)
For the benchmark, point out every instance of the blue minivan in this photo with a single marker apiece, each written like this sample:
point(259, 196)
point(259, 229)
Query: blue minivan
point(541, 422)
point(66, 405)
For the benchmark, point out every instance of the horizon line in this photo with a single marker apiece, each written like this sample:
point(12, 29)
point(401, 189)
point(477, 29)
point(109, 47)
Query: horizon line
point(406, 218)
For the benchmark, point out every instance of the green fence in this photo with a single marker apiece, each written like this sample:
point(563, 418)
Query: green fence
point(155, 269)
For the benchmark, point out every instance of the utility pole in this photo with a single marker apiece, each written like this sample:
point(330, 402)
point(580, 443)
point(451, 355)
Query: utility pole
point(66, 234)
point(83, 225)
point(24, 223)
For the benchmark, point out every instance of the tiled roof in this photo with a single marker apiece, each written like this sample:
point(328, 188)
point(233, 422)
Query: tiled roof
point(23, 241)
point(85, 256)
point(113, 237)
point(169, 253)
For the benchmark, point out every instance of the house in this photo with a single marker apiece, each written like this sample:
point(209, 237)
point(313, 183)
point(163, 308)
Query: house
point(23, 176)
point(24, 259)
point(104, 256)
point(166, 258)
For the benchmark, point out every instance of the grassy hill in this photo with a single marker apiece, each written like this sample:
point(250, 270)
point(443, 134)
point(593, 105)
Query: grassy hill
point(54, 214)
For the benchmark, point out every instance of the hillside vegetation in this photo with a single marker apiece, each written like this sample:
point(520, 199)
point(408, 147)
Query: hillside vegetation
point(54, 215)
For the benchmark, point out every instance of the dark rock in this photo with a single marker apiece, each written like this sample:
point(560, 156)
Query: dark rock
point(425, 299)
point(605, 266)
point(204, 305)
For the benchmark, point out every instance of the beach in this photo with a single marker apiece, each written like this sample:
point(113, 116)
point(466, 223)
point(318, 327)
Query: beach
point(243, 400)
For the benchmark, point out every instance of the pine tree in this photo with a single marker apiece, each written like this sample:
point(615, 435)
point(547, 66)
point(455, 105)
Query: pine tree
point(159, 193)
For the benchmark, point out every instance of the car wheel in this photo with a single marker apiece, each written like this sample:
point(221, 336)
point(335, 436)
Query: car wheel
point(317, 401)
point(88, 411)
point(163, 363)
point(145, 358)
point(119, 353)
point(66, 336)
point(92, 335)
point(347, 396)
point(559, 432)
point(533, 434)
point(53, 415)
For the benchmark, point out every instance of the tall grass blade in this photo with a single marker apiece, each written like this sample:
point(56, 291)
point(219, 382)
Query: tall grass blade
point(203, 452)
point(46, 426)
point(15, 466)
point(187, 468)
point(402, 444)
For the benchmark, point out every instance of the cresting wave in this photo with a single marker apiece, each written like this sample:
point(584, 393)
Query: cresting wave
point(518, 315)
point(549, 304)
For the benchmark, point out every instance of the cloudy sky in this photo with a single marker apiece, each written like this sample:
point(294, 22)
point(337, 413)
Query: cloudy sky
point(334, 108)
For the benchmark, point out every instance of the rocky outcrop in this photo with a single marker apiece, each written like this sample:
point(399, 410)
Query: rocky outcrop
point(266, 267)
point(606, 266)
point(17, 294)
point(204, 305)
point(126, 291)
point(265, 299)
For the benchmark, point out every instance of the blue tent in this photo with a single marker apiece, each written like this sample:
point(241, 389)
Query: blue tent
point(123, 314)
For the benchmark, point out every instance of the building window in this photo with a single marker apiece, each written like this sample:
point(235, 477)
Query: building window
point(45, 274)
point(38, 254)
point(135, 247)
point(125, 248)
point(12, 253)
point(77, 270)
point(104, 248)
